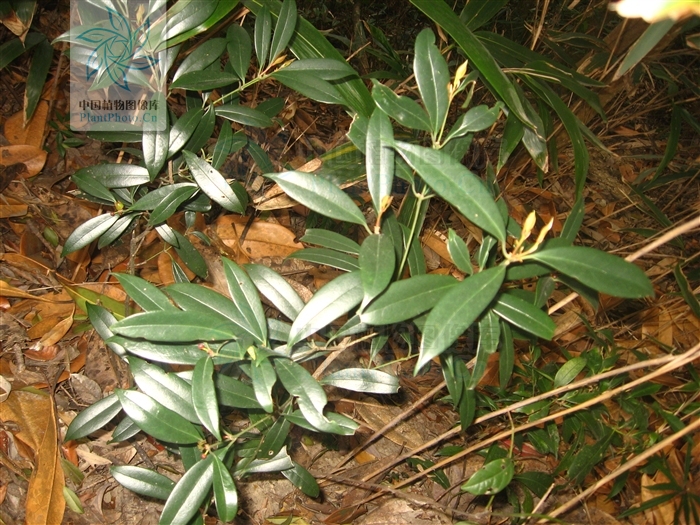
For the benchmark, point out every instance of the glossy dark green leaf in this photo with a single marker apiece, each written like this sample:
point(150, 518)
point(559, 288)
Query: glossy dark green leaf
point(569, 370)
point(573, 222)
point(126, 429)
point(284, 28)
point(300, 383)
point(477, 53)
point(182, 130)
point(190, 255)
point(333, 258)
point(538, 482)
point(224, 146)
point(324, 68)
point(512, 135)
point(332, 240)
point(154, 198)
point(363, 380)
point(239, 50)
point(87, 232)
point(379, 159)
point(320, 195)
point(263, 376)
point(278, 330)
point(212, 183)
point(280, 462)
point(308, 42)
point(204, 301)
point(274, 438)
point(477, 12)
point(186, 15)
point(506, 356)
point(38, 70)
point(170, 390)
point(457, 310)
point(524, 315)
point(432, 77)
point(121, 225)
point(143, 481)
point(156, 420)
point(403, 110)
point(202, 57)
point(303, 480)
point(336, 298)
point(476, 119)
point(93, 417)
point(377, 264)
point(117, 175)
point(225, 493)
point(160, 352)
point(408, 298)
point(263, 34)
point(459, 252)
point(309, 85)
point(170, 202)
point(246, 300)
point(203, 132)
point(598, 270)
point(14, 47)
point(156, 140)
point(175, 327)
point(206, 80)
point(204, 399)
point(457, 185)
point(244, 115)
point(489, 335)
point(234, 393)
point(91, 186)
point(144, 294)
point(101, 319)
point(492, 478)
point(276, 289)
point(189, 493)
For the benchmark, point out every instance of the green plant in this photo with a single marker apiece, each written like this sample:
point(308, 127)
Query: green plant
point(240, 359)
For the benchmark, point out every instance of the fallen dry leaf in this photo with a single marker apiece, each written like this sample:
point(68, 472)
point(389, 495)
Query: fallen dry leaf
point(34, 414)
point(32, 157)
point(264, 239)
point(10, 207)
point(7, 290)
point(33, 133)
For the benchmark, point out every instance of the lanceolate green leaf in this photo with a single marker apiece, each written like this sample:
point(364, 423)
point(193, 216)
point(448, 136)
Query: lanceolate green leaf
point(477, 118)
point(303, 480)
point(225, 493)
point(653, 34)
point(117, 175)
point(160, 352)
point(156, 420)
point(198, 299)
point(223, 7)
point(244, 115)
point(333, 258)
point(489, 334)
point(212, 183)
point(189, 255)
point(246, 299)
point(598, 270)
point(202, 57)
point(175, 327)
point(433, 77)
point(101, 319)
point(263, 34)
point(324, 68)
point(41, 63)
point(492, 478)
point(167, 207)
point(298, 382)
point(403, 110)
point(333, 300)
point(263, 376)
point(170, 390)
point(88, 231)
point(155, 141)
point(363, 380)
point(477, 54)
point(377, 263)
point(278, 291)
point(239, 49)
point(319, 195)
point(184, 16)
point(459, 252)
point(380, 159)
point(182, 130)
point(332, 240)
point(94, 417)
point(204, 399)
point(309, 85)
point(188, 494)
point(234, 393)
point(457, 185)
point(407, 299)
point(457, 310)
point(284, 29)
point(143, 481)
point(155, 198)
point(524, 315)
